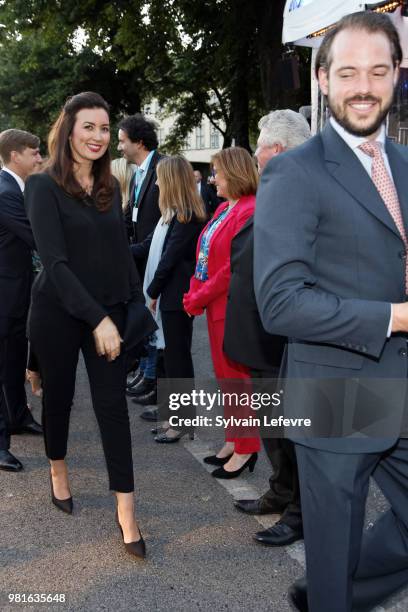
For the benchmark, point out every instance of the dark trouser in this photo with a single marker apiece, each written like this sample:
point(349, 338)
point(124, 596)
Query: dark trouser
point(346, 568)
point(178, 334)
point(13, 358)
point(56, 340)
point(32, 363)
point(284, 481)
point(178, 363)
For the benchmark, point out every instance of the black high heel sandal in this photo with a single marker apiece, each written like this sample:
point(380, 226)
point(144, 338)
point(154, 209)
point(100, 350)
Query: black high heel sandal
point(137, 549)
point(65, 505)
point(250, 463)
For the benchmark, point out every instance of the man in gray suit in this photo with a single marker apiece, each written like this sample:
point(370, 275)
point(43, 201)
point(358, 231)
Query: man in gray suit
point(331, 274)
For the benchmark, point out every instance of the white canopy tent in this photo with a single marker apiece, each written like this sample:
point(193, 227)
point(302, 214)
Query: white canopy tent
point(302, 18)
point(304, 23)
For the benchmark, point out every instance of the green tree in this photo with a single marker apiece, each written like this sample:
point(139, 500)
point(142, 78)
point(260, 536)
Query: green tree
point(207, 57)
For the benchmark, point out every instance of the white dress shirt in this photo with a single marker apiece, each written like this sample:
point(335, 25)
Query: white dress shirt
point(19, 180)
point(366, 160)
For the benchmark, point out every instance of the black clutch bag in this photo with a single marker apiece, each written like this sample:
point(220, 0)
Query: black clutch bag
point(140, 324)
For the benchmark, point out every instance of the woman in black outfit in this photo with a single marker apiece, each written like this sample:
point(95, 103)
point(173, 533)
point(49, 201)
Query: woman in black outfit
point(183, 218)
point(78, 300)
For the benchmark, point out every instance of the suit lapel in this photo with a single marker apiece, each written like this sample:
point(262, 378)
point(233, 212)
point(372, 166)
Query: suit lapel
point(145, 185)
point(346, 169)
point(399, 169)
point(151, 171)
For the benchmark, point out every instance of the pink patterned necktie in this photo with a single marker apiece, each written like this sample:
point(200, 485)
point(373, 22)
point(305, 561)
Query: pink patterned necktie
point(387, 191)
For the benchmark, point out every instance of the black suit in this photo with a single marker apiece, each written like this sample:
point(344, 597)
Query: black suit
point(147, 204)
point(88, 274)
point(209, 198)
point(16, 243)
point(172, 277)
point(262, 353)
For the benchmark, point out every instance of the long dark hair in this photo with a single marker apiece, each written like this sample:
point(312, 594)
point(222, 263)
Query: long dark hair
point(61, 163)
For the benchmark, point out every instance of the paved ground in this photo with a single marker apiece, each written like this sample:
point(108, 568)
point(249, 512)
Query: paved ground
point(200, 552)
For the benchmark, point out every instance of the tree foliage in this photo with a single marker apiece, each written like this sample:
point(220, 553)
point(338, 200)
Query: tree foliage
point(219, 58)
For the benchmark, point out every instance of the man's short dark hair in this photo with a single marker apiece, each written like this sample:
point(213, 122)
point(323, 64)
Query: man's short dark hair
point(139, 129)
point(16, 140)
point(364, 20)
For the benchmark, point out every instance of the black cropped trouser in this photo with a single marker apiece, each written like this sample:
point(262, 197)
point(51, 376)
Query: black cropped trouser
point(56, 340)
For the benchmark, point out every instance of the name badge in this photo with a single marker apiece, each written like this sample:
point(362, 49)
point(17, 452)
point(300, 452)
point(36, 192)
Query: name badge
point(134, 214)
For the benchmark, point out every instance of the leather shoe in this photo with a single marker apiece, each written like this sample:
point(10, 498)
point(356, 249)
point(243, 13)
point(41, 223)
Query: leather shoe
point(9, 462)
point(256, 506)
point(145, 385)
point(149, 415)
point(32, 428)
point(298, 595)
point(134, 380)
point(279, 535)
point(146, 399)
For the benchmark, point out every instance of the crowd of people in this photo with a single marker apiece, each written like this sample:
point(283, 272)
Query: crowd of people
point(306, 265)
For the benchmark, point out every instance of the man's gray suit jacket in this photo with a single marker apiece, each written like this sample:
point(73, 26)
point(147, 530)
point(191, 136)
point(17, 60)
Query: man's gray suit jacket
point(328, 262)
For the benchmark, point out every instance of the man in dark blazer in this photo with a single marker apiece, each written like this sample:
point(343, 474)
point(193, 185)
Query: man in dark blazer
point(280, 131)
point(331, 274)
point(20, 156)
point(138, 143)
point(207, 194)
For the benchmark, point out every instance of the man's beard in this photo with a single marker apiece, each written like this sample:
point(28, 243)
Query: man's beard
point(340, 115)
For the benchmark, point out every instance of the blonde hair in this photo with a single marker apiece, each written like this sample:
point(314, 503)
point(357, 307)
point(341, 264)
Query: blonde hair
point(239, 170)
point(178, 190)
point(123, 171)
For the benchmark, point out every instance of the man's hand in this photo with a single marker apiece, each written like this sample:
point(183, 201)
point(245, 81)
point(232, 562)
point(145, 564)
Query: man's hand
point(107, 339)
point(400, 317)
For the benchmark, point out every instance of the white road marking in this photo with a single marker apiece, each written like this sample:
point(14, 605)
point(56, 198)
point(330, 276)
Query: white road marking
point(242, 489)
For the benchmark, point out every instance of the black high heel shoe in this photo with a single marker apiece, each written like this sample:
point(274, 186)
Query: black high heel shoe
point(214, 460)
point(137, 549)
point(163, 438)
point(250, 463)
point(66, 505)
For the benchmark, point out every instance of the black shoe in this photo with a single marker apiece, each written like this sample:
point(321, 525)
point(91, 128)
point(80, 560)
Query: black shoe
point(143, 387)
point(159, 430)
point(298, 595)
point(163, 438)
point(279, 535)
point(149, 415)
point(148, 399)
point(250, 463)
point(9, 462)
point(214, 460)
point(66, 505)
point(256, 506)
point(32, 428)
point(137, 549)
point(133, 381)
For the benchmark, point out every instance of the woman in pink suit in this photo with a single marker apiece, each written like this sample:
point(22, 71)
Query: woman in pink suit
point(236, 179)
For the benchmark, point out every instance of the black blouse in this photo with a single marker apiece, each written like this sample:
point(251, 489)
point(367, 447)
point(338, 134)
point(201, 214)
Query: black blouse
point(85, 253)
